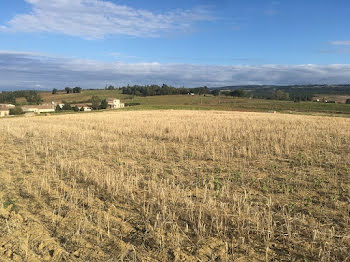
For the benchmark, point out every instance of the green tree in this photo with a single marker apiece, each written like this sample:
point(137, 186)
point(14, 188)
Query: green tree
point(68, 90)
point(280, 95)
point(238, 93)
point(104, 104)
point(54, 91)
point(347, 101)
point(33, 97)
point(215, 92)
point(77, 89)
point(75, 108)
point(67, 107)
point(96, 102)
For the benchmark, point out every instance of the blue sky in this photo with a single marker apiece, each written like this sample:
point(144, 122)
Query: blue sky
point(91, 43)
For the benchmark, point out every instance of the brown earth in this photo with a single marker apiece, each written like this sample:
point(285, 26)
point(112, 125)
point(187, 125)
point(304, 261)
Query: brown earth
point(175, 186)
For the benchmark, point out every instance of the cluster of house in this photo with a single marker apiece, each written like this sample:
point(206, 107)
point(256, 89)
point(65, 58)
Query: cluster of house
point(324, 100)
point(113, 103)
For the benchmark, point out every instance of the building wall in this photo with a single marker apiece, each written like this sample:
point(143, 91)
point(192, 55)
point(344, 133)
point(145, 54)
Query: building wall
point(30, 109)
point(49, 110)
point(115, 104)
point(4, 113)
point(6, 106)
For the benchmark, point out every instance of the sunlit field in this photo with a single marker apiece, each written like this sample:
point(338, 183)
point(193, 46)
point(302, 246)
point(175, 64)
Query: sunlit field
point(175, 186)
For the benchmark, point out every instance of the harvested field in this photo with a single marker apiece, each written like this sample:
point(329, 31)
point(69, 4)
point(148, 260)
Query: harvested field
point(175, 186)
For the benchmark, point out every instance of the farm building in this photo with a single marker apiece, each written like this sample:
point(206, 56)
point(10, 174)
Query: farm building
point(6, 106)
point(39, 108)
point(5, 109)
point(86, 107)
point(4, 113)
point(114, 103)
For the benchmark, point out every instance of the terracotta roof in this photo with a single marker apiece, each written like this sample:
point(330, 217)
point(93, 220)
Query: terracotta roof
point(6, 106)
point(84, 105)
point(39, 106)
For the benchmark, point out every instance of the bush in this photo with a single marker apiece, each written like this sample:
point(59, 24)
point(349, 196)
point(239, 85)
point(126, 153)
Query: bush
point(67, 107)
point(347, 101)
point(16, 111)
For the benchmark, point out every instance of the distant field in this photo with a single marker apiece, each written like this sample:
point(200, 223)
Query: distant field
point(203, 102)
point(167, 185)
point(83, 96)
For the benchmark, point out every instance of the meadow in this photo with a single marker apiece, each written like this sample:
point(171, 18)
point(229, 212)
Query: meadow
point(168, 185)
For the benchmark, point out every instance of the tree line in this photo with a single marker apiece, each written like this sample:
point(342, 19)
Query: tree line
point(279, 94)
point(32, 97)
point(156, 90)
point(68, 90)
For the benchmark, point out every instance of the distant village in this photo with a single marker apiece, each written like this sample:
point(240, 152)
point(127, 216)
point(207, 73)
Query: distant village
point(31, 110)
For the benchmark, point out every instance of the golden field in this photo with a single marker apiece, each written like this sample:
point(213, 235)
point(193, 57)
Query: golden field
point(175, 186)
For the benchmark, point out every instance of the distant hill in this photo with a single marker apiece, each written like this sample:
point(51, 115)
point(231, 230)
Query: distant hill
point(318, 88)
point(264, 91)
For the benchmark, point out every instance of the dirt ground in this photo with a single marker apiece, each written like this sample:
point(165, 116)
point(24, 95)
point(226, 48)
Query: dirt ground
point(175, 186)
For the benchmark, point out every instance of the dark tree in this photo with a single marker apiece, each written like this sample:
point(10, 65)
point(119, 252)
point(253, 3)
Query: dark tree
point(238, 93)
point(215, 92)
point(77, 89)
point(67, 107)
point(54, 91)
point(110, 87)
point(32, 97)
point(104, 104)
point(68, 90)
point(281, 95)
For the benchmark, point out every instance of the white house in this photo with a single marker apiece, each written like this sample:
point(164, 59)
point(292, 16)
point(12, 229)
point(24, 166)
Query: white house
point(114, 103)
point(5, 109)
point(4, 113)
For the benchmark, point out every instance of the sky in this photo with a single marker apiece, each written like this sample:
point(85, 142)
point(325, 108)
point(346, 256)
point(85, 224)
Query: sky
point(47, 44)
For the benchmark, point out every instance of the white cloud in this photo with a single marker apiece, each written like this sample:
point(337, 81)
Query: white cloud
point(340, 42)
point(24, 70)
point(96, 18)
